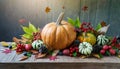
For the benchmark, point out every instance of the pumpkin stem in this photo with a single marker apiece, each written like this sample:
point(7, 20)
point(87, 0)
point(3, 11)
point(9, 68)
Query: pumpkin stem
point(85, 34)
point(60, 18)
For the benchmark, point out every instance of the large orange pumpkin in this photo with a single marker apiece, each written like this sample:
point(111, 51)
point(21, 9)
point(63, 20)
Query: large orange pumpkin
point(58, 35)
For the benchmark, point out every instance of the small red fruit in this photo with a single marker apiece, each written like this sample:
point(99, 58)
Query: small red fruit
point(66, 52)
point(28, 47)
point(105, 47)
point(102, 52)
point(110, 47)
point(112, 51)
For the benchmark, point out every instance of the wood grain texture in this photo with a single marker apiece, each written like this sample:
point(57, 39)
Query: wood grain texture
point(60, 66)
point(14, 58)
point(11, 61)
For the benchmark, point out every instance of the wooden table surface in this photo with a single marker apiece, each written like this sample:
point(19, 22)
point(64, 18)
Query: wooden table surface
point(14, 58)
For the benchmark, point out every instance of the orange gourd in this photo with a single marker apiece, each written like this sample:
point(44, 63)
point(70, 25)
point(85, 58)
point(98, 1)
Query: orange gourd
point(58, 35)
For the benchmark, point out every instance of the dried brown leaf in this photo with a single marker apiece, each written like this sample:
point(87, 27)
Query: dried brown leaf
point(39, 55)
point(96, 56)
point(23, 58)
point(103, 24)
point(83, 56)
point(16, 40)
point(34, 52)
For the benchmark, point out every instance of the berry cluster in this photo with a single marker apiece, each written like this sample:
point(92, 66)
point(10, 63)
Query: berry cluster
point(116, 42)
point(85, 27)
point(36, 36)
point(43, 49)
point(20, 47)
point(107, 49)
point(74, 51)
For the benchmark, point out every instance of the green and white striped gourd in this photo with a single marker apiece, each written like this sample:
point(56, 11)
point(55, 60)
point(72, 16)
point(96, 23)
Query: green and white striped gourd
point(37, 44)
point(102, 40)
point(85, 48)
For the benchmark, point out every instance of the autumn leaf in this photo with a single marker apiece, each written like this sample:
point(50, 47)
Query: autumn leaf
point(39, 55)
point(22, 21)
point(63, 7)
point(85, 8)
point(6, 51)
point(96, 55)
point(103, 24)
point(23, 58)
point(34, 52)
point(47, 9)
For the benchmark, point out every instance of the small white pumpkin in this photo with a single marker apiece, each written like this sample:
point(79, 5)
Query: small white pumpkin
point(102, 40)
point(85, 48)
point(37, 44)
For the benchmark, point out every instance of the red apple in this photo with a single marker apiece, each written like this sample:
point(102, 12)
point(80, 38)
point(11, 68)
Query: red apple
point(66, 52)
point(102, 52)
point(105, 47)
point(112, 51)
point(28, 47)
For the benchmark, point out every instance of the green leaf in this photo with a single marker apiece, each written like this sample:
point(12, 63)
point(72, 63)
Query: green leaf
point(27, 36)
point(32, 28)
point(74, 54)
point(71, 21)
point(75, 23)
point(101, 56)
point(26, 30)
point(108, 53)
point(98, 26)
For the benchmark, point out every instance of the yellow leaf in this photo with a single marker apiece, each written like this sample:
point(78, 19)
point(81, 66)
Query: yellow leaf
point(118, 56)
point(3, 43)
point(83, 56)
point(96, 56)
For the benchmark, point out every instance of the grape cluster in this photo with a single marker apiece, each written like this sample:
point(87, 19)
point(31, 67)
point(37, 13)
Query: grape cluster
point(36, 36)
point(43, 49)
point(96, 49)
point(20, 47)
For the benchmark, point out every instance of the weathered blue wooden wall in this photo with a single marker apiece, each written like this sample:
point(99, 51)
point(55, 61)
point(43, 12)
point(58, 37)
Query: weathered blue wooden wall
point(34, 10)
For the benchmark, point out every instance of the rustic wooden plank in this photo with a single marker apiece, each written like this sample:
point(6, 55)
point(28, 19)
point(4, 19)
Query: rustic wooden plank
point(6, 57)
point(60, 66)
point(114, 17)
point(102, 13)
point(14, 58)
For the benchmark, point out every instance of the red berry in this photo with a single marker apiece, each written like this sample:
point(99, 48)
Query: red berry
point(112, 51)
point(71, 55)
point(105, 47)
point(102, 52)
point(110, 47)
point(73, 49)
point(70, 48)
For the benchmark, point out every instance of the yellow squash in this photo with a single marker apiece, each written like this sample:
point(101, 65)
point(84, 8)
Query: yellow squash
point(87, 37)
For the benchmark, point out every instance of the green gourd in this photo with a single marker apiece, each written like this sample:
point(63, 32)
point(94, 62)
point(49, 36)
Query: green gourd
point(102, 40)
point(37, 44)
point(85, 48)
